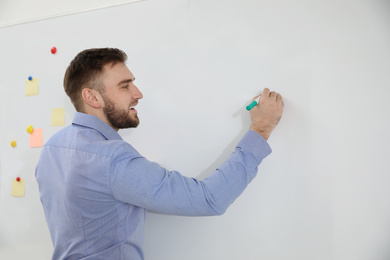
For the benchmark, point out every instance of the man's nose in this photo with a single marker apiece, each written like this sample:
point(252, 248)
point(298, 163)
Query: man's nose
point(136, 93)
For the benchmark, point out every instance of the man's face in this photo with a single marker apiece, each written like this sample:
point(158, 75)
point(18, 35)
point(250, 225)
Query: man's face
point(120, 97)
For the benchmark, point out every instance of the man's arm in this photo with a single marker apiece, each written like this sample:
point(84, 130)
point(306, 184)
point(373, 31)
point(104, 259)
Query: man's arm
point(142, 183)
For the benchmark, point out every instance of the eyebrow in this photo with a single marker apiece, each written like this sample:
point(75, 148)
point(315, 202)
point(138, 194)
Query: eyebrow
point(125, 81)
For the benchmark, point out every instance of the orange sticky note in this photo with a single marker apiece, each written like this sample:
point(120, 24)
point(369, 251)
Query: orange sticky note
point(36, 138)
point(17, 189)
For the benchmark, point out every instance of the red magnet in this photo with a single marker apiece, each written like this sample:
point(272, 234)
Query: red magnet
point(53, 50)
point(18, 179)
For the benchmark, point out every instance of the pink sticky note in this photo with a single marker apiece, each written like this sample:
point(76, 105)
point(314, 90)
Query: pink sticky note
point(36, 138)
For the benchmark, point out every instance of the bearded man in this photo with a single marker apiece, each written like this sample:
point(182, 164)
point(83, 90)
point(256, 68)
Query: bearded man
point(95, 188)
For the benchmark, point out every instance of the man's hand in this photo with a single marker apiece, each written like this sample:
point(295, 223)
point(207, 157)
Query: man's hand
point(266, 115)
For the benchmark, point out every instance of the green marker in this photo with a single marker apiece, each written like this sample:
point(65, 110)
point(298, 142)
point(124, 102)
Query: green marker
point(253, 104)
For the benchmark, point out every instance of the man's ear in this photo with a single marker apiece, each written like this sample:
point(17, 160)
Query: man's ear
point(91, 97)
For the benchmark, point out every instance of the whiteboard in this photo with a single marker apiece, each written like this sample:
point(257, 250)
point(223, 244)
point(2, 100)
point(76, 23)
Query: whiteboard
point(323, 192)
point(23, 11)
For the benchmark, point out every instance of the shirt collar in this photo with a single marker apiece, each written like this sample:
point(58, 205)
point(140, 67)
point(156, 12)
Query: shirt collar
point(94, 122)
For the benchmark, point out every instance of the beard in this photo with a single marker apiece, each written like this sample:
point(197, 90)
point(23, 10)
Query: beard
point(118, 118)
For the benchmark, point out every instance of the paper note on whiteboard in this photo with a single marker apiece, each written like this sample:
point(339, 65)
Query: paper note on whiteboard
point(32, 87)
point(58, 117)
point(36, 138)
point(17, 189)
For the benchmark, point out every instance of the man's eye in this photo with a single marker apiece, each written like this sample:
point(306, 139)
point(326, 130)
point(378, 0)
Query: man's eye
point(126, 86)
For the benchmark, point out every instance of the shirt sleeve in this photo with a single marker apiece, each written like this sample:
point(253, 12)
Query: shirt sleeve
point(143, 183)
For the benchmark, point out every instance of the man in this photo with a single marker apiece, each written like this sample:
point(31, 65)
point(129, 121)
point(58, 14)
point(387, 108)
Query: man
point(96, 188)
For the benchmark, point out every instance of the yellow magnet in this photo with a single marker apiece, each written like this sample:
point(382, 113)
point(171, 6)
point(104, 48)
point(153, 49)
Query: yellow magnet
point(29, 129)
point(13, 143)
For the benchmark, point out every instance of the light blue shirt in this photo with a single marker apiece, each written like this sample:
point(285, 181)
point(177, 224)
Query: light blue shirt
point(95, 189)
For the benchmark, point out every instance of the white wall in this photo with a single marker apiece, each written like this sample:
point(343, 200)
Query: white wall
point(322, 194)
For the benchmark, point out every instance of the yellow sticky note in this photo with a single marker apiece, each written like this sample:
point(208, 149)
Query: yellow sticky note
point(17, 189)
point(36, 137)
point(58, 117)
point(32, 87)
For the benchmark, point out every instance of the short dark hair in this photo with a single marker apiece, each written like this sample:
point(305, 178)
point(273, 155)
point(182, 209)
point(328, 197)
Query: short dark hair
point(85, 71)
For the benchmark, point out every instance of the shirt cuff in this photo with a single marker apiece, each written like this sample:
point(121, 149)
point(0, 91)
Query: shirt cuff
point(255, 144)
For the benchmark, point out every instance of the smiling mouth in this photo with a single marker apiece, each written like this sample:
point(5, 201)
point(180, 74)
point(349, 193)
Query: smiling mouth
point(132, 108)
